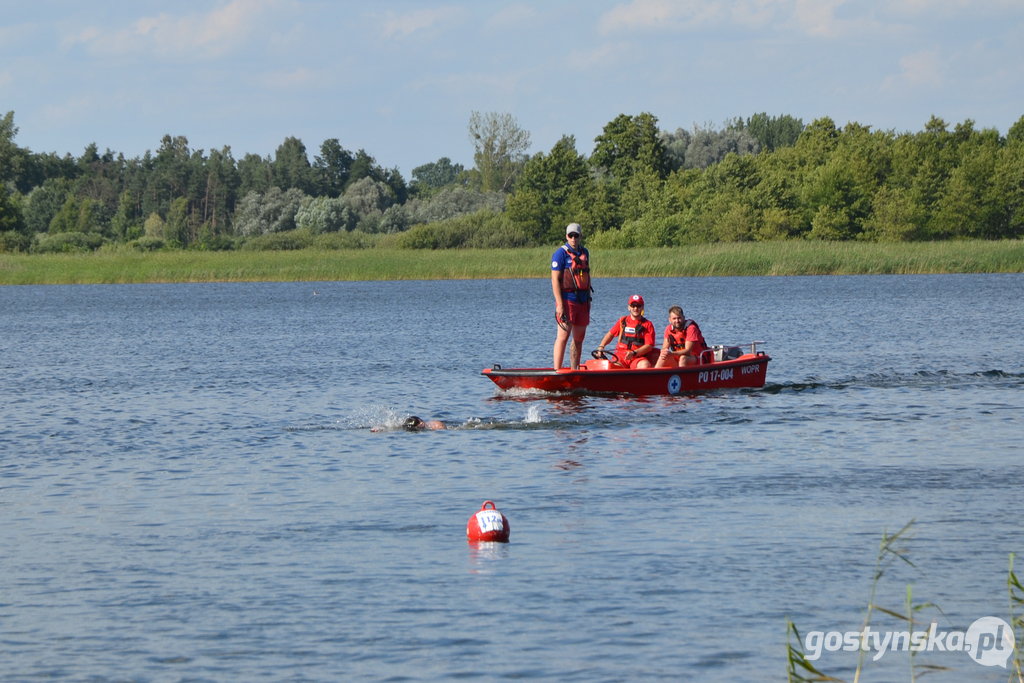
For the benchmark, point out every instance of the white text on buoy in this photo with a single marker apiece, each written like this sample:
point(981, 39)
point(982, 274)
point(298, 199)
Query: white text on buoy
point(488, 525)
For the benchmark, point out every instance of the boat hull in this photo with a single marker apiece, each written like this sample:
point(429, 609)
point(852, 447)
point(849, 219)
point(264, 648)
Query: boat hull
point(602, 377)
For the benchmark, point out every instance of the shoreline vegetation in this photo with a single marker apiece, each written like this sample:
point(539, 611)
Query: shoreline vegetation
point(127, 266)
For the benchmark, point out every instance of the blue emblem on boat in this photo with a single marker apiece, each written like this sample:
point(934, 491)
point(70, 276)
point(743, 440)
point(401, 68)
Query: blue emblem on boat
point(675, 384)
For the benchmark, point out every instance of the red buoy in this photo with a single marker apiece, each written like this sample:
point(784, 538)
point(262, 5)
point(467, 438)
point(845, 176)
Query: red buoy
point(488, 525)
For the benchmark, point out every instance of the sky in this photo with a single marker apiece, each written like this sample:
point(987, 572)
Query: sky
point(401, 78)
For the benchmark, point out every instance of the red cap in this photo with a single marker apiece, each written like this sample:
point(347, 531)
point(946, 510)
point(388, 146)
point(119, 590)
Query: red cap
point(636, 299)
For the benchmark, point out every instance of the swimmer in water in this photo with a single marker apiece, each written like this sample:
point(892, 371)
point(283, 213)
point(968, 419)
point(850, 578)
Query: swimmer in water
point(415, 424)
point(412, 424)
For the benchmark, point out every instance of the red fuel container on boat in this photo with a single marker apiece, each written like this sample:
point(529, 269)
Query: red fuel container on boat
point(488, 525)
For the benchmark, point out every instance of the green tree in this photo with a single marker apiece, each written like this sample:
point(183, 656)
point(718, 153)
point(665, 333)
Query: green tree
point(44, 202)
point(367, 199)
point(11, 218)
point(393, 178)
point(255, 174)
point(833, 200)
point(709, 146)
point(178, 230)
point(99, 178)
point(966, 208)
point(218, 182)
point(773, 132)
point(154, 227)
point(817, 142)
point(641, 196)
point(324, 214)
point(435, 175)
point(169, 176)
point(1009, 185)
point(499, 149)
point(291, 167)
point(451, 202)
point(332, 168)
point(125, 225)
point(629, 144)
point(364, 166)
point(11, 155)
point(274, 211)
point(1016, 132)
point(36, 169)
point(895, 216)
point(598, 206)
point(736, 222)
point(550, 191)
point(77, 215)
point(675, 145)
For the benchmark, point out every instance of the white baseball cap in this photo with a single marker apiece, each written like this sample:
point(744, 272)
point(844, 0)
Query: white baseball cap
point(574, 227)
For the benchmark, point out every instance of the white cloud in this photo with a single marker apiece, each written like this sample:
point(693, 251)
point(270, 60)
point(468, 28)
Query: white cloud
point(754, 13)
point(288, 78)
point(195, 35)
point(817, 17)
point(73, 109)
point(9, 35)
point(512, 16)
point(404, 25)
point(808, 17)
point(604, 55)
point(493, 84)
point(919, 69)
point(949, 7)
point(659, 14)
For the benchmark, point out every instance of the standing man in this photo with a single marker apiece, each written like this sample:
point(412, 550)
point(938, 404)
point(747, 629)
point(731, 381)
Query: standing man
point(570, 283)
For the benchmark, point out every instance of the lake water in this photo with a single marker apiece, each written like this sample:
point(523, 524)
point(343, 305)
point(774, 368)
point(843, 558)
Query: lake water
point(190, 488)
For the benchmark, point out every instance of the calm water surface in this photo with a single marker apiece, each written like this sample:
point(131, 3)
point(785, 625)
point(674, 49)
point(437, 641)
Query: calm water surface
point(191, 490)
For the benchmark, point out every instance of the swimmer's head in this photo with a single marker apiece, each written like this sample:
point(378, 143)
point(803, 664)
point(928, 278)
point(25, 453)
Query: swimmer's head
point(412, 423)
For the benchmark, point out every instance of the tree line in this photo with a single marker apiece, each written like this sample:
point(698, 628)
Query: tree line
point(757, 178)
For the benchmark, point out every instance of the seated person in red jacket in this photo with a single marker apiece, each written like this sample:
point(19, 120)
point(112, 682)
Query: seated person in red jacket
point(683, 341)
point(635, 348)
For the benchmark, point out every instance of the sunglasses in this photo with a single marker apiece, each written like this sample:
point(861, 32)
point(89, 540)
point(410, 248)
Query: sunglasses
point(573, 235)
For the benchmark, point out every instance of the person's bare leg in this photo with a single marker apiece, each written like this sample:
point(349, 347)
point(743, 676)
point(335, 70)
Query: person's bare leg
point(579, 332)
point(561, 337)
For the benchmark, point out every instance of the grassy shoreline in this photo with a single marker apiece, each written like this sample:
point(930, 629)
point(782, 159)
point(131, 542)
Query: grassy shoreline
point(748, 258)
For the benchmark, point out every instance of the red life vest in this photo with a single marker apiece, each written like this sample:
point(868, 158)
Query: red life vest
point(634, 338)
point(677, 338)
point(576, 277)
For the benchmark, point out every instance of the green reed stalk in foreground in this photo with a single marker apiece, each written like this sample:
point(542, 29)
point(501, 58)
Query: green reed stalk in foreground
point(888, 552)
point(796, 257)
point(800, 670)
point(1016, 591)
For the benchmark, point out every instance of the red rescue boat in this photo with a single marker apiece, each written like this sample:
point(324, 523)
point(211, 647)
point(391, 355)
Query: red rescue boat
point(725, 367)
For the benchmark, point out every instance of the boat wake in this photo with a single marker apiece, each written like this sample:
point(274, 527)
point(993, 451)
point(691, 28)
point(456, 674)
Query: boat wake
point(386, 419)
point(938, 379)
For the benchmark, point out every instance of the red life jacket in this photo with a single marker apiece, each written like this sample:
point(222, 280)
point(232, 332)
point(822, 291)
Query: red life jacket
point(634, 339)
point(576, 277)
point(677, 338)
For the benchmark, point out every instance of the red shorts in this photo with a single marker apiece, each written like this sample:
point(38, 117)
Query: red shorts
point(579, 314)
point(651, 356)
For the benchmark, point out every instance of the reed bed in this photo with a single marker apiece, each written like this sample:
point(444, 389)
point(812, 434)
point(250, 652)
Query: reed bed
point(751, 258)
